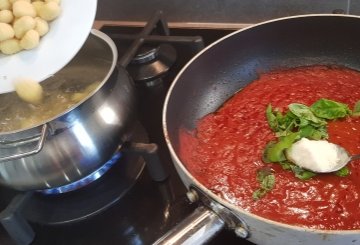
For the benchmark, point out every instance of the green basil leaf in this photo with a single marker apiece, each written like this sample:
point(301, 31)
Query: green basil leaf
point(356, 111)
point(303, 122)
point(270, 155)
point(265, 153)
point(320, 133)
point(282, 125)
point(357, 106)
point(285, 165)
point(282, 133)
point(286, 119)
point(289, 122)
point(298, 171)
point(330, 109)
point(288, 140)
point(259, 193)
point(301, 173)
point(275, 152)
point(304, 112)
point(343, 172)
point(307, 131)
point(271, 118)
point(266, 178)
point(268, 182)
point(311, 132)
point(279, 123)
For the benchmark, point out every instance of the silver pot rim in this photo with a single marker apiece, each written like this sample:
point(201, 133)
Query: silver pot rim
point(114, 52)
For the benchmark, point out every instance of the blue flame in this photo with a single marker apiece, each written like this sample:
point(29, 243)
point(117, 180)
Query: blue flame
point(86, 180)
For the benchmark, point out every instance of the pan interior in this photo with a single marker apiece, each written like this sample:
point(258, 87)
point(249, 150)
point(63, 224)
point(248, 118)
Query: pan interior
point(230, 64)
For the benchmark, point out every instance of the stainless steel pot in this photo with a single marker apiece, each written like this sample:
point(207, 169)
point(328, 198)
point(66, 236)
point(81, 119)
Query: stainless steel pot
point(222, 69)
point(79, 141)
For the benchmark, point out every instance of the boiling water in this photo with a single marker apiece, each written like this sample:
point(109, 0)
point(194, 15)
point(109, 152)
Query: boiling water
point(67, 88)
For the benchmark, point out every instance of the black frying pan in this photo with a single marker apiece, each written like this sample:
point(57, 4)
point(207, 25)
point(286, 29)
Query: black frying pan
point(231, 63)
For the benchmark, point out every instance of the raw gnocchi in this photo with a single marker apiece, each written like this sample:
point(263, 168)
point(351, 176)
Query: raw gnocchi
point(30, 40)
point(24, 22)
point(6, 32)
point(10, 46)
point(29, 91)
point(6, 16)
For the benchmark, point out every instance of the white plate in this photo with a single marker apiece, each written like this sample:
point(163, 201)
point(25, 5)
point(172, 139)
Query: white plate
point(66, 36)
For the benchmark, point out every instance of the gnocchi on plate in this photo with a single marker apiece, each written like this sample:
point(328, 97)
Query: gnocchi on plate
point(24, 22)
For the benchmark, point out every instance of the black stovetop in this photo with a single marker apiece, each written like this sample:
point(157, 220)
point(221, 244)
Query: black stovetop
point(149, 208)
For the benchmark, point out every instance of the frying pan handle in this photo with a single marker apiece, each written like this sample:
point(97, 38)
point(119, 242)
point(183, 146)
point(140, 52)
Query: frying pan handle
point(40, 139)
point(198, 228)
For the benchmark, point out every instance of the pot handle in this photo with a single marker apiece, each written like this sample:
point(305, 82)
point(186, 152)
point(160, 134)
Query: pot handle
point(40, 139)
point(198, 228)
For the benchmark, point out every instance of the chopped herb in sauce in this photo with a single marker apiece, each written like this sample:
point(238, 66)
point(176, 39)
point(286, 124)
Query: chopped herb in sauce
point(266, 179)
point(300, 121)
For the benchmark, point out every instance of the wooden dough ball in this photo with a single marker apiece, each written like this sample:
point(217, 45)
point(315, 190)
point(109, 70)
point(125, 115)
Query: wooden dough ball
point(23, 8)
point(42, 27)
point(22, 25)
point(6, 32)
point(49, 11)
point(29, 91)
point(30, 40)
point(10, 46)
point(6, 16)
point(5, 4)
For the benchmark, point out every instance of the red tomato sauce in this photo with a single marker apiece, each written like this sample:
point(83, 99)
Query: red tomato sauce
point(225, 150)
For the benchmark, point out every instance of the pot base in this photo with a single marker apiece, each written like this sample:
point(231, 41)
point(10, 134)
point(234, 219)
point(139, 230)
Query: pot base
point(92, 199)
point(84, 181)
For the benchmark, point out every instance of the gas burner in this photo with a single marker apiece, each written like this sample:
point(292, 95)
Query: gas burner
point(152, 63)
point(88, 201)
point(145, 54)
point(95, 197)
point(86, 180)
point(151, 52)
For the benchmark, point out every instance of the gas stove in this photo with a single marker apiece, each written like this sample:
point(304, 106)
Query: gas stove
point(128, 204)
